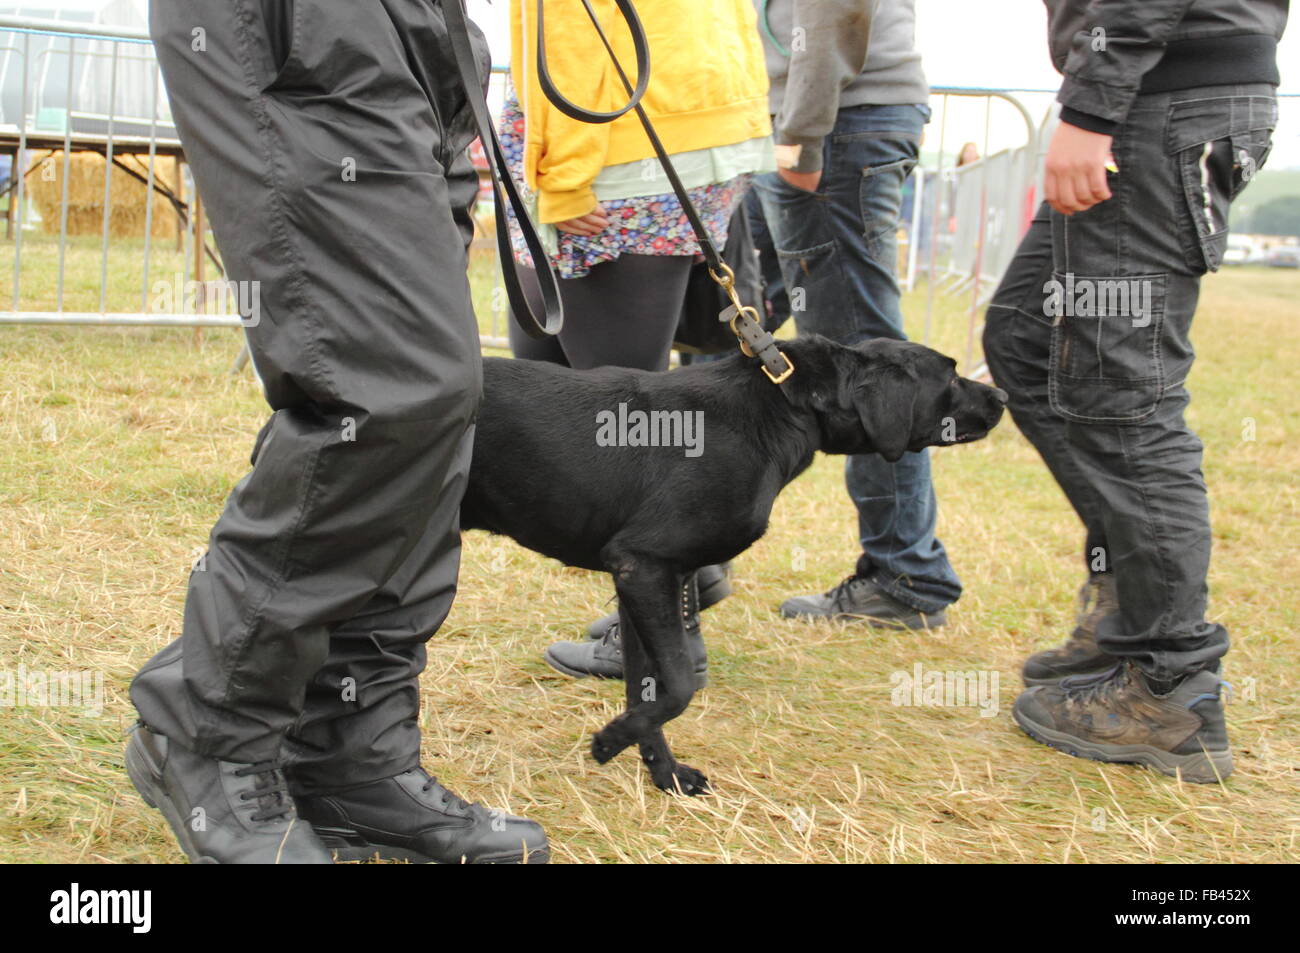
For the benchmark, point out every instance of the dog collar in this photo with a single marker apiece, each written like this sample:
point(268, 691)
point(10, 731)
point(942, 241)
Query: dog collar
point(759, 343)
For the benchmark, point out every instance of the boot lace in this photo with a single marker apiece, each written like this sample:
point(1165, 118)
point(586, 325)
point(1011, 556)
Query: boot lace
point(271, 792)
point(842, 595)
point(1100, 690)
point(445, 797)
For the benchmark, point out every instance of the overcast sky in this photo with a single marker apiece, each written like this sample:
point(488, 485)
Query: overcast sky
point(985, 43)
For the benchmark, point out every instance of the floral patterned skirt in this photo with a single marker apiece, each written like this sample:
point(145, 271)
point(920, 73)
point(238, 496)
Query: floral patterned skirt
point(642, 225)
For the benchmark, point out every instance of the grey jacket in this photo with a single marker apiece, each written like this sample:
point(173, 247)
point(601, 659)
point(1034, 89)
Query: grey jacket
point(825, 55)
point(1112, 50)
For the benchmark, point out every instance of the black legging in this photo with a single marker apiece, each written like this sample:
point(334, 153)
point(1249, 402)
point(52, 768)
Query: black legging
point(622, 312)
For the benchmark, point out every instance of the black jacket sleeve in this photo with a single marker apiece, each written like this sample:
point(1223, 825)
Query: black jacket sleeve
point(1120, 42)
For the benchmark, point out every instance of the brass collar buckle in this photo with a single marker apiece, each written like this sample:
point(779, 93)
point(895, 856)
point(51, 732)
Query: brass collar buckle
point(744, 324)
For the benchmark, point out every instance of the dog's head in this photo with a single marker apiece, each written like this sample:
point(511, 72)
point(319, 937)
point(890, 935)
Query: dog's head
point(888, 397)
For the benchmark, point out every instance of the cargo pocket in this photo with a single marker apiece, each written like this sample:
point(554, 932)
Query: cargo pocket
point(1217, 145)
point(1106, 365)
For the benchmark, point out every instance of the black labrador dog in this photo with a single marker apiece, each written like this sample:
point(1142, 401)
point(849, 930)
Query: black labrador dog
point(649, 476)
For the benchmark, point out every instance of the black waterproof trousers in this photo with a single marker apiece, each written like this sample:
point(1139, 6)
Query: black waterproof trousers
point(328, 144)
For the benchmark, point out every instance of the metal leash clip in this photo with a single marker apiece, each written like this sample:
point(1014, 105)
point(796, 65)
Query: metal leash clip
point(743, 321)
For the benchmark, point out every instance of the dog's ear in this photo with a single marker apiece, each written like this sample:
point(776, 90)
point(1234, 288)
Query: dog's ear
point(884, 395)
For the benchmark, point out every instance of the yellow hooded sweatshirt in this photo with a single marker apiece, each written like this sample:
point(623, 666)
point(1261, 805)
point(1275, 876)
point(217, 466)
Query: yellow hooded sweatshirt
point(708, 88)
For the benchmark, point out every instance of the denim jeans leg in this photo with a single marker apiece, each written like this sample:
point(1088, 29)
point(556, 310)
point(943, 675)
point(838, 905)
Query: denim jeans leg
point(838, 257)
point(778, 302)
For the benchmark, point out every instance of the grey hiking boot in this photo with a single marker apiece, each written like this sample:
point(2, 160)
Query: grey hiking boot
point(714, 583)
point(860, 599)
point(1080, 655)
point(1120, 717)
point(604, 658)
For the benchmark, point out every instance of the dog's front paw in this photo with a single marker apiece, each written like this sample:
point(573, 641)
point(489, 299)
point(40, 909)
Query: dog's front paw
point(683, 779)
point(605, 744)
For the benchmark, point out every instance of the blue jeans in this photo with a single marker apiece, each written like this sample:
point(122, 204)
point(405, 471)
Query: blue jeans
point(838, 257)
point(769, 265)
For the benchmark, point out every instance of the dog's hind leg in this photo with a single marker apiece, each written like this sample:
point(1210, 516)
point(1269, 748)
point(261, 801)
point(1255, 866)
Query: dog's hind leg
point(658, 673)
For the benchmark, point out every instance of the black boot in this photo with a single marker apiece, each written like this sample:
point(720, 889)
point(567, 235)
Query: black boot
point(413, 817)
point(221, 812)
point(604, 658)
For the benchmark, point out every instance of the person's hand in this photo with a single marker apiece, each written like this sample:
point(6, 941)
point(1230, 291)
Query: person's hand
point(592, 223)
point(807, 181)
point(1075, 178)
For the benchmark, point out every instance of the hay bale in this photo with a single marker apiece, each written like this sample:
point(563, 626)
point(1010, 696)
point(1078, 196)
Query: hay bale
point(127, 195)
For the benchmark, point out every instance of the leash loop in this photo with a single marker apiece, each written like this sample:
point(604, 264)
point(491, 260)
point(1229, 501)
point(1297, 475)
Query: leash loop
point(505, 192)
point(639, 43)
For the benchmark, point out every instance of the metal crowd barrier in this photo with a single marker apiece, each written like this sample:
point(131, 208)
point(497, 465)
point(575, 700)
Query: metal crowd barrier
point(89, 88)
point(73, 78)
point(69, 88)
point(967, 219)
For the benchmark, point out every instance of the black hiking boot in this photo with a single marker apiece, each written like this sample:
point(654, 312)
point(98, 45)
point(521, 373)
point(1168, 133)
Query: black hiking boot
point(859, 599)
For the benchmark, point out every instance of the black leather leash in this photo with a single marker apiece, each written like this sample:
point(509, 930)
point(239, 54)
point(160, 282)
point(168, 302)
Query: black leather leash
point(502, 182)
point(744, 320)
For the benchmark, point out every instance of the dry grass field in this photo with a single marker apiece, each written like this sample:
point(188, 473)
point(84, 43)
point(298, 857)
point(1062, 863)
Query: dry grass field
point(120, 446)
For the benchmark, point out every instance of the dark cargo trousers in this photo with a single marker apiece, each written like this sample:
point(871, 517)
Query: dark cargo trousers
point(1089, 333)
point(328, 143)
